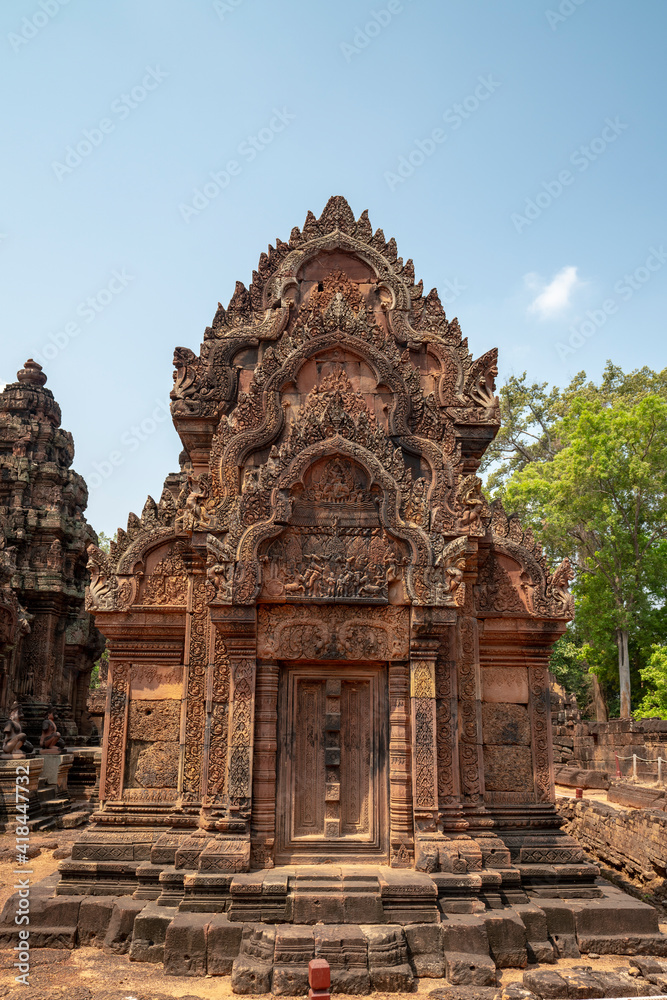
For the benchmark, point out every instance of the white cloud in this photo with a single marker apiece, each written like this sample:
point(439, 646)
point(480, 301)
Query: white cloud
point(557, 295)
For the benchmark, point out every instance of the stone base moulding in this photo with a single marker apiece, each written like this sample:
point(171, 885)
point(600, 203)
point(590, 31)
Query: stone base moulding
point(416, 928)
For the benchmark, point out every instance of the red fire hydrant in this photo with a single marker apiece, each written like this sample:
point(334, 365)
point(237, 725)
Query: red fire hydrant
point(319, 978)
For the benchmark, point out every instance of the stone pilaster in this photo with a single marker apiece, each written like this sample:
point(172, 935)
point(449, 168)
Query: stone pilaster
point(238, 627)
point(264, 764)
point(401, 823)
point(470, 721)
point(423, 654)
point(193, 705)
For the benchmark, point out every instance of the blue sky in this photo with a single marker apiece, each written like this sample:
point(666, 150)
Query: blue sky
point(514, 149)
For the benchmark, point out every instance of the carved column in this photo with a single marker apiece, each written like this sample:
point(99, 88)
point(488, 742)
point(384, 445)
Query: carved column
point(115, 731)
point(238, 627)
point(264, 764)
point(216, 732)
point(401, 826)
point(423, 654)
point(540, 725)
point(470, 721)
point(449, 784)
point(193, 704)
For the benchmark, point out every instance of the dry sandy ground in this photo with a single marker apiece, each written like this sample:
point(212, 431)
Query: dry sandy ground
point(90, 972)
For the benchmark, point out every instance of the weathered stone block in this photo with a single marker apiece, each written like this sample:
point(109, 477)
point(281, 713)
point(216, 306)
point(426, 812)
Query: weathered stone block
point(53, 919)
point(150, 931)
point(150, 720)
point(505, 684)
point(425, 947)
point(613, 985)
point(223, 943)
point(388, 964)
point(121, 924)
point(94, 918)
point(465, 968)
point(507, 939)
point(253, 967)
point(185, 945)
point(538, 946)
point(345, 948)
point(294, 948)
point(546, 983)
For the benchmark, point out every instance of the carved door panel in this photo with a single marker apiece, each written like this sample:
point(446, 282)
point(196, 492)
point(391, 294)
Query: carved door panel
point(332, 795)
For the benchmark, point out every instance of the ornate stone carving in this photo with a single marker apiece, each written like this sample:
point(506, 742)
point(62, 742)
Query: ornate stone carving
point(196, 691)
point(341, 633)
point(43, 539)
point(541, 733)
point(167, 582)
point(468, 693)
point(115, 733)
point(320, 591)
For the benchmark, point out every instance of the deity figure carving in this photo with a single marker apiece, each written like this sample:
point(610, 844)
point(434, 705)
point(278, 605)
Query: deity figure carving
point(15, 740)
point(51, 738)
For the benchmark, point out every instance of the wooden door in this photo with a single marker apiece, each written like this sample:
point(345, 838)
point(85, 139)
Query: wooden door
point(332, 782)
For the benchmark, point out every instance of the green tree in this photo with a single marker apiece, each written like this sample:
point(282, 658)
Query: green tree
point(104, 541)
point(654, 673)
point(100, 670)
point(532, 427)
point(528, 431)
point(602, 500)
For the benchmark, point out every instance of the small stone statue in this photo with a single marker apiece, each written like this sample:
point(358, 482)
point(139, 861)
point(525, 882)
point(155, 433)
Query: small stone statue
point(51, 738)
point(15, 740)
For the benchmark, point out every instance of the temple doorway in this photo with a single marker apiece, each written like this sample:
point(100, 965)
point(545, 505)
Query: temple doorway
point(332, 764)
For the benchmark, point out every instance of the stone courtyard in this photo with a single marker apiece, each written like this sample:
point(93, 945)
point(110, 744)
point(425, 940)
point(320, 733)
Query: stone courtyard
point(328, 723)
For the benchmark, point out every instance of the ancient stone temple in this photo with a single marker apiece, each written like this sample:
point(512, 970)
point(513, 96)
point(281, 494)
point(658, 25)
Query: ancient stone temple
point(48, 642)
point(328, 686)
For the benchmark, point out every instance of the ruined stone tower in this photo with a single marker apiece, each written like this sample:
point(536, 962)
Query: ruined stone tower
point(48, 642)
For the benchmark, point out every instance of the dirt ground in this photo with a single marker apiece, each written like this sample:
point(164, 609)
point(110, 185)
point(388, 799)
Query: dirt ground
point(95, 974)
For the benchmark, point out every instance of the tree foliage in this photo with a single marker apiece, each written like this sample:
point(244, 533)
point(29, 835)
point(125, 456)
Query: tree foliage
point(531, 416)
point(104, 541)
point(586, 468)
point(654, 674)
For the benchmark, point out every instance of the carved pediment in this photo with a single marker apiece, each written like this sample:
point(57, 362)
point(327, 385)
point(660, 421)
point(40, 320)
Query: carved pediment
point(332, 424)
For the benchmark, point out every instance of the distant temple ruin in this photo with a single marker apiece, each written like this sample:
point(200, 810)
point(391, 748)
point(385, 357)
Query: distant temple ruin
point(328, 692)
point(48, 642)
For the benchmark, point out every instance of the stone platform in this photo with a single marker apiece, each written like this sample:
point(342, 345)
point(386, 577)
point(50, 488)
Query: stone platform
point(379, 929)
